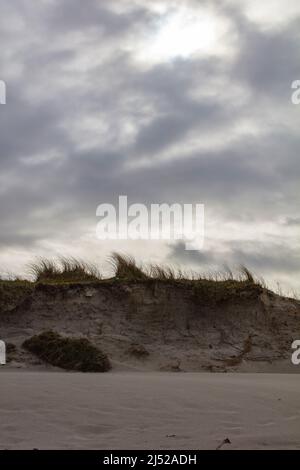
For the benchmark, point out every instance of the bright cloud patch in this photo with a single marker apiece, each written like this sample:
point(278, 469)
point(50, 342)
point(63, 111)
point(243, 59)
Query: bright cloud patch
point(184, 33)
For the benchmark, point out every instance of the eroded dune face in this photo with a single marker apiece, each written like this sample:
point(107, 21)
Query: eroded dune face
point(159, 325)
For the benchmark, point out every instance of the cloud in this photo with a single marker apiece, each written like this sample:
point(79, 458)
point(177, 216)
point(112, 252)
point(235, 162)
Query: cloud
point(86, 121)
point(269, 260)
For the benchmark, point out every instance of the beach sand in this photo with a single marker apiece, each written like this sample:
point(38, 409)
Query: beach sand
point(137, 410)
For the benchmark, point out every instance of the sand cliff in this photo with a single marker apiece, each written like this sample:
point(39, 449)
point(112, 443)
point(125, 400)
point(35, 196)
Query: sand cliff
point(157, 325)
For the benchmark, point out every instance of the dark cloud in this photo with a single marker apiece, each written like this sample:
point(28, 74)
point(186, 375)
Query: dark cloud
point(268, 60)
point(74, 15)
point(292, 221)
point(263, 258)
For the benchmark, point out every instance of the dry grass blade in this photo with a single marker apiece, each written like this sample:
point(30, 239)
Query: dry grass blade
point(78, 270)
point(43, 269)
point(63, 270)
point(125, 267)
point(247, 275)
point(165, 273)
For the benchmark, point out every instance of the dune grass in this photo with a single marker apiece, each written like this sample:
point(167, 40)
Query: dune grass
point(68, 353)
point(64, 270)
point(213, 288)
point(125, 268)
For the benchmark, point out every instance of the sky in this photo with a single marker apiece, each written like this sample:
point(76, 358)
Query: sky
point(160, 100)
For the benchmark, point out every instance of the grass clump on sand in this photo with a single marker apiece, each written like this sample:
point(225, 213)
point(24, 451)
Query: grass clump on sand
point(217, 287)
point(225, 287)
point(165, 273)
point(125, 268)
point(68, 353)
point(221, 291)
point(64, 270)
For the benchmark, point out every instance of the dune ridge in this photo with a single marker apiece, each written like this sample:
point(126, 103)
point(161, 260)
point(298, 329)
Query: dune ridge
point(152, 324)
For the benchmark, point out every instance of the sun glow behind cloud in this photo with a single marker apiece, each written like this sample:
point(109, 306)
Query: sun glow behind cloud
point(183, 33)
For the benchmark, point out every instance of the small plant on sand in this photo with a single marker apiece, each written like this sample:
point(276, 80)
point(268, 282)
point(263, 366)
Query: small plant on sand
point(68, 353)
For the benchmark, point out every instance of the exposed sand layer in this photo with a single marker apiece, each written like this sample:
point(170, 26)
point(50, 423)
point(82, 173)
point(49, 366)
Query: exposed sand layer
point(153, 325)
point(47, 410)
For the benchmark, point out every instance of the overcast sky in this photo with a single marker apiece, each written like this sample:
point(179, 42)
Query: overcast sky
point(163, 101)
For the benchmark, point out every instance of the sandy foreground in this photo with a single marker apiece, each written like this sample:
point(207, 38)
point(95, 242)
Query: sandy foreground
point(47, 410)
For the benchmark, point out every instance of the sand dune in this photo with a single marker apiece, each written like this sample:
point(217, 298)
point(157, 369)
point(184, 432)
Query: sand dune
point(49, 410)
point(179, 326)
point(147, 330)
